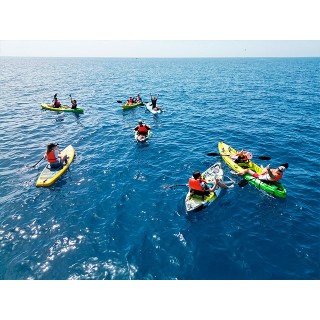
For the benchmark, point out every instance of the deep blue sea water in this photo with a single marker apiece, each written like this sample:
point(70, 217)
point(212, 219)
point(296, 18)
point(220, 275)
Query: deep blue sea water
point(110, 218)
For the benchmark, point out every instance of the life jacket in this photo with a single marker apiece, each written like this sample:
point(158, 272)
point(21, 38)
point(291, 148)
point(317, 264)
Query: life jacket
point(195, 184)
point(57, 103)
point(51, 157)
point(130, 100)
point(241, 158)
point(138, 99)
point(142, 129)
point(277, 175)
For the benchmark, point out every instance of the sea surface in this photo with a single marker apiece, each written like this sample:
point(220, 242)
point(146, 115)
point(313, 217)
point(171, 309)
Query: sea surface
point(110, 216)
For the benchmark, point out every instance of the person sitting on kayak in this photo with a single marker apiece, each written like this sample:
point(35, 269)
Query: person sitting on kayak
point(130, 101)
point(53, 157)
point(200, 186)
point(138, 98)
point(242, 156)
point(142, 128)
point(56, 102)
point(73, 104)
point(267, 174)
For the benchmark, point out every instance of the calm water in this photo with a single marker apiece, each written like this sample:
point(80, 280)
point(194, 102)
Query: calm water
point(110, 218)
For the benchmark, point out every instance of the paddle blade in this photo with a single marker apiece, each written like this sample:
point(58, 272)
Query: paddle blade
point(264, 158)
point(213, 154)
point(286, 165)
point(243, 183)
point(119, 101)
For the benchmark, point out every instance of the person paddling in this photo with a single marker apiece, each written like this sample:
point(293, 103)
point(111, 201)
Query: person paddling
point(56, 102)
point(53, 157)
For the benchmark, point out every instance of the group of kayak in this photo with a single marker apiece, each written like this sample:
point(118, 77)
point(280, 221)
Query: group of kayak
point(151, 106)
point(59, 161)
point(205, 188)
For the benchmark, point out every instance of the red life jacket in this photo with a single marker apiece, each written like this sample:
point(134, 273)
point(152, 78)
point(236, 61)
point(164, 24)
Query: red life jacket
point(277, 175)
point(57, 103)
point(51, 157)
point(242, 157)
point(142, 129)
point(138, 99)
point(195, 184)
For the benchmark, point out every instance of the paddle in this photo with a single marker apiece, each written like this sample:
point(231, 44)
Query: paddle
point(119, 101)
point(172, 186)
point(36, 163)
point(244, 182)
point(214, 154)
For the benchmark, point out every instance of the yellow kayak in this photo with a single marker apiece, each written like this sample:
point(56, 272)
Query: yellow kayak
point(62, 108)
point(48, 176)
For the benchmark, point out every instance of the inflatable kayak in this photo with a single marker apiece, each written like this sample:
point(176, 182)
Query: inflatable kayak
point(133, 105)
point(48, 176)
point(196, 202)
point(149, 107)
point(62, 108)
point(141, 137)
point(273, 188)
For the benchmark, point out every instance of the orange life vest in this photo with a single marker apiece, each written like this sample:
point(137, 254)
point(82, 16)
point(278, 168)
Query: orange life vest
point(130, 100)
point(195, 184)
point(138, 99)
point(142, 129)
point(51, 157)
point(242, 157)
point(277, 175)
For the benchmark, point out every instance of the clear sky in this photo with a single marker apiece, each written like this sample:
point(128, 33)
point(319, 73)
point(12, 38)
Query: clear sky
point(166, 28)
point(161, 48)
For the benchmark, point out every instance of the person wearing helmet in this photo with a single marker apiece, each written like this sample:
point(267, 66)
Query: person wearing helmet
point(142, 128)
point(267, 174)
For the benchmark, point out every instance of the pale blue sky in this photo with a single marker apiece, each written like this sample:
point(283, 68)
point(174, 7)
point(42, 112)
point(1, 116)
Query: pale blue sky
point(161, 48)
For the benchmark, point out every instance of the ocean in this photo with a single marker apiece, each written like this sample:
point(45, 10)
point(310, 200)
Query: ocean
point(109, 217)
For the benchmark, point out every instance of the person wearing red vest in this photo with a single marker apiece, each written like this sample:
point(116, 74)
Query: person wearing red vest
point(53, 157)
point(196, 183)
point(130, 101)
point(267, 174)
point(142, 128)
point(56, 103)
point(242, 156)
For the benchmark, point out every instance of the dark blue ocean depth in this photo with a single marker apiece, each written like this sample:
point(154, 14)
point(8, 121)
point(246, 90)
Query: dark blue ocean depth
point(109, 216)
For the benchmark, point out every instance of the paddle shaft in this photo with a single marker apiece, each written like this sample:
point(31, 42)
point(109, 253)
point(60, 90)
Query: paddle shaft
point(37, 162)
point(214, 154)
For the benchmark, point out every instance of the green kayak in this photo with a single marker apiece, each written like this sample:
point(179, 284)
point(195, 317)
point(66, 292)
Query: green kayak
point(133, 105)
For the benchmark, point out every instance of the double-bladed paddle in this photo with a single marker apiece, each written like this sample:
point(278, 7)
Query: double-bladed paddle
point(214, 154)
